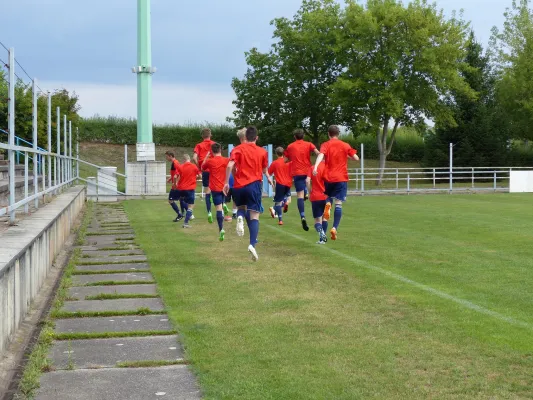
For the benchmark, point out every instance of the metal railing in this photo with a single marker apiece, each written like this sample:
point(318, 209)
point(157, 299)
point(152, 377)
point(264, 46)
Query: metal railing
point(50, 171)
point(427, 180)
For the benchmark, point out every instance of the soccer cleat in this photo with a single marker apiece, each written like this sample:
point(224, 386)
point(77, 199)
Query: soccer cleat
point(210, 218)
point(304, 224)
point(280, 223)
point(320, 242)
point(285, 208)
point(228, 218)
point(222, 233)
point(234, 216)
point(323, 237)
point(253, 252)
point(333, 234)
point(192, 217)
point(178, 218)
point(306, 196)
point(327, 212)
point(225, 208)
point(272, 212)
point(186, 226)
point(240, 226)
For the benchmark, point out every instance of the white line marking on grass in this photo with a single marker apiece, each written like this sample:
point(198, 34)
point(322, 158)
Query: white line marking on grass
point(421, 286)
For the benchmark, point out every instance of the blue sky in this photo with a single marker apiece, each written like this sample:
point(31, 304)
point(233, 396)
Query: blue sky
point(197, 46)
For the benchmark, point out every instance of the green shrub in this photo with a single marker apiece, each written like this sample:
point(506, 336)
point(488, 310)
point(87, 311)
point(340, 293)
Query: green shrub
point(124, 131)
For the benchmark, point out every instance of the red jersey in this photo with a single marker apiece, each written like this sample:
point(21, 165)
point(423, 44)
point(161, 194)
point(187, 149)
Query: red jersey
point(281, 170)
point(336, 154)
point(216, 166)
point(174, 167)
point(299, 153)
point(187, 173)
point(202, 149)
point(250, 160)
point(317, 183)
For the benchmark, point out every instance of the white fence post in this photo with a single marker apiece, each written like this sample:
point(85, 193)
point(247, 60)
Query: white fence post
point(35, 156)
point(11, 128)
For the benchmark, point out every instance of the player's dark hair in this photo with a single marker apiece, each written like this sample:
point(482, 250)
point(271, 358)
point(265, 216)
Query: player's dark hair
point(333, 130)
point(251, 134)
point(298, 134)
point(170, 154)
point(216, 148)
point(279, 151)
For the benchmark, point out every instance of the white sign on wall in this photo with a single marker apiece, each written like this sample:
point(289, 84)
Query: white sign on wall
point(521, 182)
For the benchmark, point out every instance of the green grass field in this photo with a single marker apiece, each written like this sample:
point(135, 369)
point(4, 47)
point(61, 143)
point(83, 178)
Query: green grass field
point(422, 297)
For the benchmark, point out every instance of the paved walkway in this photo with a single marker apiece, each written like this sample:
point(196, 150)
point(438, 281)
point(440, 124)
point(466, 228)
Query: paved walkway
point(95, 368)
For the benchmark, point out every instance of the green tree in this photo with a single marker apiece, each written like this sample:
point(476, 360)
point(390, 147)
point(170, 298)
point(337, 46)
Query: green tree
point(481, 134)
point(512, 49)
point(401, 64)
point(290, 86)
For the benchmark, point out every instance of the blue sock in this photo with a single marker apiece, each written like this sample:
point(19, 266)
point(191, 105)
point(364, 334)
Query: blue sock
point(188, 216)
point(325, 226)
point(175, 208)
point(183, 207)
point(279, 212)
point(253, 226)
point(241, 213)
point(208, 202)
point(220, 220)
point(318, 227)
point(301, 207)
point(247, 216)
point(337, 216)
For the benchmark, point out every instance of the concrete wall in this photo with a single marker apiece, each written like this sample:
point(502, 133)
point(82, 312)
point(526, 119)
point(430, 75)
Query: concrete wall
point(146, 178)
point(26, 255)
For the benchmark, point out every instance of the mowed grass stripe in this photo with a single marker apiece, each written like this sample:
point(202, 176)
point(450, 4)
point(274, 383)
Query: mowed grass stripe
point(461, 302)
point(301, 324)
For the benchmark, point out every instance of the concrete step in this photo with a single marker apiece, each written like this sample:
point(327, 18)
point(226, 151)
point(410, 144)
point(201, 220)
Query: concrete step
point(174, 382)
point(126, 277)
point(144, 323)
point(81, 292)
point(116, 259)
point(110, 253)
point(106, 353)
point(114, 267)
point(113, 305)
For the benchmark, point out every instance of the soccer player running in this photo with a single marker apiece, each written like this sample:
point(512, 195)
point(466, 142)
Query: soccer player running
point(299, 152)
point(216, 166)
point(174, 194)
point(336, 153)
point(281, 171)
point(250, 162)
point(200, 152)
point(315, 185)
point(187, 174)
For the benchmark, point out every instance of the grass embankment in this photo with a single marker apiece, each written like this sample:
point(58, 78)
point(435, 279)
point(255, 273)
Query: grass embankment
point(422, 297)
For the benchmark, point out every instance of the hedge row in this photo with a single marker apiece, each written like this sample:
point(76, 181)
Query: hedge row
point(124, 131)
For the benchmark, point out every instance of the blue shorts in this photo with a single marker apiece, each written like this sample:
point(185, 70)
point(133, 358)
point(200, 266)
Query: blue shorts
point(174, 194)
point(299, 182)
point(282, 191)
point(318, 208)
point(249, 196)
point(218, 198)
point(337, 190)
point(187, 196)
point(205, 179)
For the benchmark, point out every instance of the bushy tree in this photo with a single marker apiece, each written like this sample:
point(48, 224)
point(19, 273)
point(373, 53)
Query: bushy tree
point(289, 87)
point(480, 136)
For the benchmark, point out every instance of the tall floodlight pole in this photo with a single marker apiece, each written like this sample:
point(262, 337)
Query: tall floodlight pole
point(144, 71)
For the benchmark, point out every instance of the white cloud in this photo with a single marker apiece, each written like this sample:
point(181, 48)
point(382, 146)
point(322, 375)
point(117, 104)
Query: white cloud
point(172, 103)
